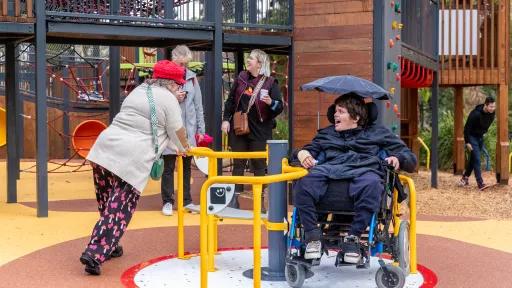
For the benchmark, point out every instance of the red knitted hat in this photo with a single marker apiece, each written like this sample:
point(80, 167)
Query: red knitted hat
point(165, 69)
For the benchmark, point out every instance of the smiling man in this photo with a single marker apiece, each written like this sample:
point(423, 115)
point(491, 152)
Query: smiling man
point(348, 150)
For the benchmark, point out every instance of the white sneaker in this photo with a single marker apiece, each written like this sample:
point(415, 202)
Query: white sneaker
point(167, 209)
point(313, 250)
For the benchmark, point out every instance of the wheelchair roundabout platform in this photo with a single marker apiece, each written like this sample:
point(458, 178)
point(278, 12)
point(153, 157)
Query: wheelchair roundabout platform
point(169, 271)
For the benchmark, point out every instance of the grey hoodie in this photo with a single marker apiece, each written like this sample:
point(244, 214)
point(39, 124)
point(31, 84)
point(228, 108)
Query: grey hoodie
point(191, 110)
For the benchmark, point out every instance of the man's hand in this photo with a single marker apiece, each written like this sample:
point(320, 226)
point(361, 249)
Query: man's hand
point(225, 127)
point(306, 160)
point(468, 145)
point(309, 162)
point(394, 162)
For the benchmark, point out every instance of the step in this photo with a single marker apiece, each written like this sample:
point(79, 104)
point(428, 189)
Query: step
point(229, 212)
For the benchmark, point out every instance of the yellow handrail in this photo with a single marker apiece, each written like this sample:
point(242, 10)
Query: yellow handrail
point(426, 149)
point(257, 182)
point(510, 162)
point(412, 221)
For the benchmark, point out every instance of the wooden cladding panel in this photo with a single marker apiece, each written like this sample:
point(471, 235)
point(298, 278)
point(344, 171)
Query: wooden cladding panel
point(473, 57)
point(320, 8)
point(22, 12)
point(331, 37)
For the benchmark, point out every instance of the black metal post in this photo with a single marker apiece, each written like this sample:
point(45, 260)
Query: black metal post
point(253, 10)
point(239, 11)
point(277, 211)
point(435, 107)
point(291, 96)
point(65, 118)
point(378, 51)
point(114, 81)
point(239, 64)
point(115, 70)
point(214, 13)
point(41, 112)
point(169, 9)
point(10, 104)
point(19, 111)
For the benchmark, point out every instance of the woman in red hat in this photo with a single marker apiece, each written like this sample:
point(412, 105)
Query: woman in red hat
point(123, 155)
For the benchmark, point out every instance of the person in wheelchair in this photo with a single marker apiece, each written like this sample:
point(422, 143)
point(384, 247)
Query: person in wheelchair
point(348, 150)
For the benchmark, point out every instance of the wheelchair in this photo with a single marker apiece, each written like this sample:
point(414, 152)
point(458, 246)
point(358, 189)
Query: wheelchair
point(335, 213)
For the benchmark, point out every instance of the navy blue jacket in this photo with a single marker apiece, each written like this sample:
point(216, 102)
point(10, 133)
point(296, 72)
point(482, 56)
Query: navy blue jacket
point(351, 153)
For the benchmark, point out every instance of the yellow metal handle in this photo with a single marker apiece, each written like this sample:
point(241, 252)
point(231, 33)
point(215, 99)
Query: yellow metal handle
point(426, 149)
point(412, 221)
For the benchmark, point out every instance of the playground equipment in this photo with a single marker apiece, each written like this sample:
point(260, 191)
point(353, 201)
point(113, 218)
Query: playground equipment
point(279, 172)
point(3, 128)
point(85, 135)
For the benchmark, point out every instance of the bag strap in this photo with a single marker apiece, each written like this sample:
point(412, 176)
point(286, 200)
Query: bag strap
point(153, 118)
point(255, 92)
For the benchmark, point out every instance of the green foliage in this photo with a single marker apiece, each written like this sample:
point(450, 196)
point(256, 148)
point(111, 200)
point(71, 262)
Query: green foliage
point(281, 131)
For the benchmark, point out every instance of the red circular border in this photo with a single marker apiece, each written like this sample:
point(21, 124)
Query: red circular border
point(127, 278)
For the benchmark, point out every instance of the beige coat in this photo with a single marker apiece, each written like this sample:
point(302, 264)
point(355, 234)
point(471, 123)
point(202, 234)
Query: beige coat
point(126, 147)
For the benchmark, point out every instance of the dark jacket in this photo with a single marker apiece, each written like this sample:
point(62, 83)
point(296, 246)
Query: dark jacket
point(478, 123)
point(261, 116)
point(351, 153)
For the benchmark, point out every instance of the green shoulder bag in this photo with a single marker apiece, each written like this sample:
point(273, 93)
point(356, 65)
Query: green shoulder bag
point(158, 165)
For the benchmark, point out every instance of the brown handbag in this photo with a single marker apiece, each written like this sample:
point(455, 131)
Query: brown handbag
point(241, 123)
point(240, 119)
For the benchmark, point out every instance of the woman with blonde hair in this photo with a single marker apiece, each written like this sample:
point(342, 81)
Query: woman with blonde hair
point(125, 154)
point(255, 96)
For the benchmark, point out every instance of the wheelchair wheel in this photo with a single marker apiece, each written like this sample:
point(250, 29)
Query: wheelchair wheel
point(393, 278)
point(295, 275)
point(402, 248)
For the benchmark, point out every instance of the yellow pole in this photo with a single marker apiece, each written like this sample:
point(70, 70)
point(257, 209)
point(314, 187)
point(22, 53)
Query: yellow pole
point(412, 220)
point(181, 230)
point(396, 211)
point(212, 172)
point(510, 162)
point(203, 234)
point(257, 188)
point(426, 149)
point(216, 235)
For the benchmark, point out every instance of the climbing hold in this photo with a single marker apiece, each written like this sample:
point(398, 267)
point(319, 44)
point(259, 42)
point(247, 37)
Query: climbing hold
point(398, 77)
point(388, 104)
point(394, 25)
point(391, 43)
point(395, 108)
point(397, 7)
point(392, 90)
point(397, 37)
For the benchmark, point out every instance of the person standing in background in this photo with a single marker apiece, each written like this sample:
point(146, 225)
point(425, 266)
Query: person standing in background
point(191, 103)
point(477, 124)
point(260, 114)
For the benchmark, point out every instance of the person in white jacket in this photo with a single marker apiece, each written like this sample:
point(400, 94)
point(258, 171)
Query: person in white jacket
point(191, 104)
point(123, 155)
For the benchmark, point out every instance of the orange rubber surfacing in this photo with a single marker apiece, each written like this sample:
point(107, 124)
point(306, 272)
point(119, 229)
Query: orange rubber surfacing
point(85, 135)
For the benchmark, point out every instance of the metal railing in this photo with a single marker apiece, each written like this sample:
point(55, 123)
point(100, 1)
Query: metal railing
point(208, 223)
point(238, 14)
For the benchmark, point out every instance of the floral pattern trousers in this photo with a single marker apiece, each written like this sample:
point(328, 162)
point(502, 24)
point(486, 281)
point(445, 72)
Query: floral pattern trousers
point(117, 201)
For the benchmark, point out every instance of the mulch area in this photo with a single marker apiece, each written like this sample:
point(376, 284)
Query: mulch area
point(450, 200)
